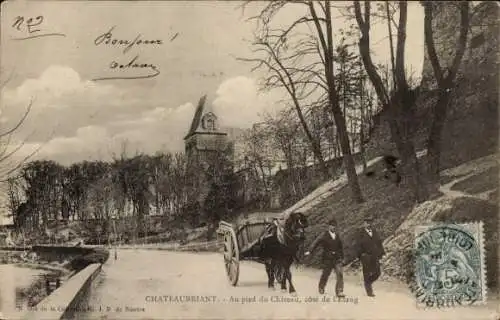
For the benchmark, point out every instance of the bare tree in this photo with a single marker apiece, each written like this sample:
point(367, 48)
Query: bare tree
point(445, 78)
point(288, 78)
point(9, 164)
point(364, 118)
point(300, 58)
point(400, 103)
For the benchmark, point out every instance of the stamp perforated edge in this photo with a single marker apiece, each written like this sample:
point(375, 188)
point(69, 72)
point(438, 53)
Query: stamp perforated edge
point(479, 225)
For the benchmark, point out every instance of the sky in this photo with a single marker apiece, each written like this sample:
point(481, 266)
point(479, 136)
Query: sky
point(74, 118)
point(191, 47)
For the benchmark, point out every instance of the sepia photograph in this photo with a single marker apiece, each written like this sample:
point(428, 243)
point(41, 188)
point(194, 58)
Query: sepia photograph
point(300, 159)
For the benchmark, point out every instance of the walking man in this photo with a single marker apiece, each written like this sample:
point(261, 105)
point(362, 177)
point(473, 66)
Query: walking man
point(370, 251)
point(332, 259)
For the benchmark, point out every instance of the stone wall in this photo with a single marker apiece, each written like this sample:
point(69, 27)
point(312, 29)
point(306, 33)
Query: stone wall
point(68, 300)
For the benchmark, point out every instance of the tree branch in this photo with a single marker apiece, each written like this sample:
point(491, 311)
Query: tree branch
point(462, 39)
point(400, 49)
point(20, 122)
point(429, 42)
point(364, 49)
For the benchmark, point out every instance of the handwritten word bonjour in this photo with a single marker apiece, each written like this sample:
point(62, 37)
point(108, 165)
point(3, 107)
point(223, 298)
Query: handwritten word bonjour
point(109, 40)
point(29, 27)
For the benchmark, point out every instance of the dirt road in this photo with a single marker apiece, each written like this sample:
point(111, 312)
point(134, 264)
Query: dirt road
point(149, 284)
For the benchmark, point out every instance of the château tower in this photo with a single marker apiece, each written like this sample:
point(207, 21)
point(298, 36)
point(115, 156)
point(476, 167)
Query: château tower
point(206, 145)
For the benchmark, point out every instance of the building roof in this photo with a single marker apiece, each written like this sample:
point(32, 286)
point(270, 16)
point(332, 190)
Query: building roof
point(197, 117)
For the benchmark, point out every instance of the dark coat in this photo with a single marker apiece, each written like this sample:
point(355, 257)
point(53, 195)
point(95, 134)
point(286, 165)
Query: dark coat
point(367, 245)
point(333, 251)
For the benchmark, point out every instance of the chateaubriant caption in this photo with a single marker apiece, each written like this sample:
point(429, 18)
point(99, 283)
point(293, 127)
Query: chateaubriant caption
point(247, 299)
point(172, 299)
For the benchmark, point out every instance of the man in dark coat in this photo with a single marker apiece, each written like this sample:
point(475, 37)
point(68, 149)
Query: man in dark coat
point(370, 251)
point(332, 257)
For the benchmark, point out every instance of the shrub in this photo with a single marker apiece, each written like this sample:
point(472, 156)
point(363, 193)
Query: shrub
point(97, 256)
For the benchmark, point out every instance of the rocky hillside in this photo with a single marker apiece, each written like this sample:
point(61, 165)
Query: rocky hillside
point(471, 128)
point(470, 194)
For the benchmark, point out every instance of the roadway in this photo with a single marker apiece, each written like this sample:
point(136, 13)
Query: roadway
point(153, 284)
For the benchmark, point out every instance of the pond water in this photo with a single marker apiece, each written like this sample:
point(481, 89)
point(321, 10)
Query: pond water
point(13, 279)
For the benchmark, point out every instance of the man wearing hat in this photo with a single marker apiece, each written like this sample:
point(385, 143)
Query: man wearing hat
point(370, 251)
point(332, 258)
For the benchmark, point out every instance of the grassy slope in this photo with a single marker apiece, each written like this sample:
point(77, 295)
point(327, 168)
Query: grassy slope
point(395, 216)
point(386, 203)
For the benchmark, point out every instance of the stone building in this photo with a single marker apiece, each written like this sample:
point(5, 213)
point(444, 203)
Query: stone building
point(209, 151)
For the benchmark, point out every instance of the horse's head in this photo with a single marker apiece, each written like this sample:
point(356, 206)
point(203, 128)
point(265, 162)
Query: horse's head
point(295, 226)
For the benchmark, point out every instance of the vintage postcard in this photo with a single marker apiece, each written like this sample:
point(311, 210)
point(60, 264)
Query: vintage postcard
point(303, 159)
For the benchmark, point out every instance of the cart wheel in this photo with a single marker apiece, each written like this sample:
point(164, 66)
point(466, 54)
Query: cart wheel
point(231, 257)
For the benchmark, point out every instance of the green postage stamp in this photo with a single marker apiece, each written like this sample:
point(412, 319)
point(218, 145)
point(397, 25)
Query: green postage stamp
point(450, 265)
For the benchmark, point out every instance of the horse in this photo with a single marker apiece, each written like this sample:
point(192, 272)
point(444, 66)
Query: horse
point(280, 249)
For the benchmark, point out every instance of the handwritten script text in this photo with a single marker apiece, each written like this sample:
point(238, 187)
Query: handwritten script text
point(31, 28)
point(108, 39)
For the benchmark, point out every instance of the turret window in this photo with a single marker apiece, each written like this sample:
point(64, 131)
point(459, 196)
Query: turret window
point(209, 122)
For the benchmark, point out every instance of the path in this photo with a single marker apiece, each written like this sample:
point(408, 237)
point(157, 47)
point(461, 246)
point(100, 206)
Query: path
point(140, 275)
point(447, 191)
point(466, 171)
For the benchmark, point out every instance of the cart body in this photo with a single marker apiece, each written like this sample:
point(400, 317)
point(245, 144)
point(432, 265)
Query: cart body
point(242, 242)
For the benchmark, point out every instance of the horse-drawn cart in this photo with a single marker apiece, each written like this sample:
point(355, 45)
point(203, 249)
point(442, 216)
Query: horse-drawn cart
point(242, 242)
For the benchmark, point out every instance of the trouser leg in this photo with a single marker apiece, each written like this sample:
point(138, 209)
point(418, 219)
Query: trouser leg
point(376, 270)
point(325, 274)
point(339, 285)
point(367, 274)
point(368, 287)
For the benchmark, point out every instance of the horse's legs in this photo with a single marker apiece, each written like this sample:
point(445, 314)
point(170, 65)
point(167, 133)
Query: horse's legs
point(289, 277)
point(270, 274)
point(283, 276)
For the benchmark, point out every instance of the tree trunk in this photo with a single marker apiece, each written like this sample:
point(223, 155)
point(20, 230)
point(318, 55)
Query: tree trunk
point(400, 127)
point(401, 105)
point(316, 148)
point(349, 164)
point(411, 171)
point(444, 83)
point(362, 121)
point(434, 140)
point(362, 145)
point(340, 122)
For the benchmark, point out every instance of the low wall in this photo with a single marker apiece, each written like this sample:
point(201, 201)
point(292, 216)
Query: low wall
point(59, 253)
point(53, 252)
point(65, 301)
point(4, 248)
point(214, 245)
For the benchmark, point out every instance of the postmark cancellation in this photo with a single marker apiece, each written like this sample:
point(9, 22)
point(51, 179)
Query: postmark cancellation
point(450, 265)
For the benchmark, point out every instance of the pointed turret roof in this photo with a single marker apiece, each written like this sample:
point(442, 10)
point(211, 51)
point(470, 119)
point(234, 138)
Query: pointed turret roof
point(197, 116)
